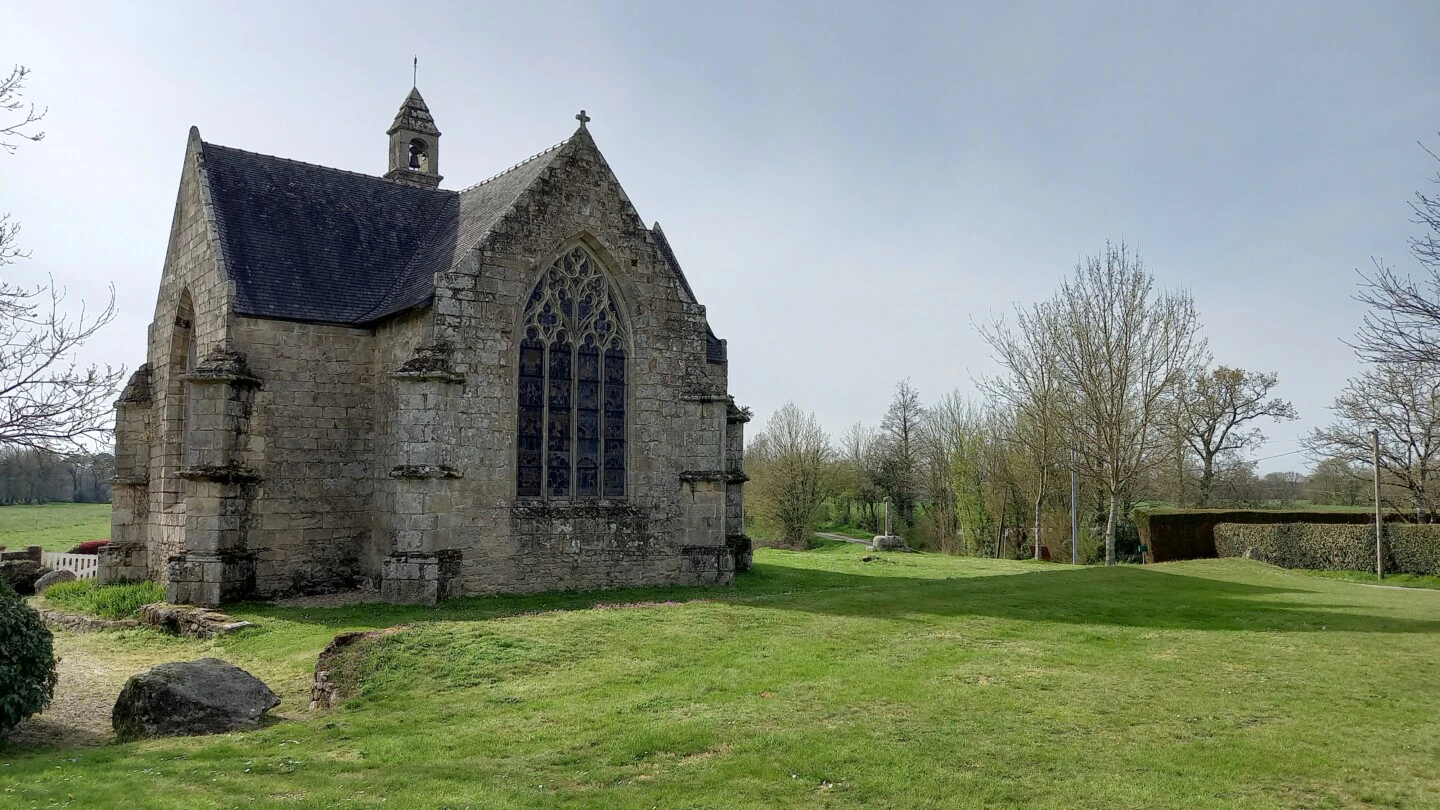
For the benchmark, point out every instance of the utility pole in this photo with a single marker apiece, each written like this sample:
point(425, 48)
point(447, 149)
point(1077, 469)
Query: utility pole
point(1379, 531)
point(1074, 510)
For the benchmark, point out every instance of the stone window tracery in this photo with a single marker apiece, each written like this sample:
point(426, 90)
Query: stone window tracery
point(571, 424)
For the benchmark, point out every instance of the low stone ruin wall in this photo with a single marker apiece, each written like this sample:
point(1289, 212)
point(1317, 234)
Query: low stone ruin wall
point(177, 620)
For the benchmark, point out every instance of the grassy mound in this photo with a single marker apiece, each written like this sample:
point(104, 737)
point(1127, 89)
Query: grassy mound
point(822, 681)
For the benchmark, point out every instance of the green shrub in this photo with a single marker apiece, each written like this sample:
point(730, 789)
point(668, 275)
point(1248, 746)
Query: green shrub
point(1409, 549)
point(27, 661)
point(120, 601)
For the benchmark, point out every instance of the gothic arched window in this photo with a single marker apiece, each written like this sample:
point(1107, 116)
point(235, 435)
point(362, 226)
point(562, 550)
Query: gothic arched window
point(571, 441)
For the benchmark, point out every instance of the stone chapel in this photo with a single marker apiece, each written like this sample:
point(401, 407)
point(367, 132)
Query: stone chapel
point(359, 381)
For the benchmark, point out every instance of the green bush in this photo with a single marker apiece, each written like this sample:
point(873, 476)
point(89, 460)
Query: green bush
point(120, 601)
point(1409, 549)
point(27, 661)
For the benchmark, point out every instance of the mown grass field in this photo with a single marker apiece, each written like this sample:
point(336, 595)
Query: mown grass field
point(820, 680)
point(56, 526)
point(1393, 580)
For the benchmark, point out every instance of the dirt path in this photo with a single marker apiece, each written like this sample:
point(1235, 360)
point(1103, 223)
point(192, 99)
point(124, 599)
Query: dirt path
point(829, 536)
point(93, 667)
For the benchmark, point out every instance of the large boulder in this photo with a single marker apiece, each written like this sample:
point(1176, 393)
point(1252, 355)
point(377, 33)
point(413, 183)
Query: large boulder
point(53, 578)
point(21, 575)
point(208, 696)
point(888, 542)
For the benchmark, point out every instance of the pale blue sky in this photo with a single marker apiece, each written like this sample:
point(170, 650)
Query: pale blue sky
point(847, 185)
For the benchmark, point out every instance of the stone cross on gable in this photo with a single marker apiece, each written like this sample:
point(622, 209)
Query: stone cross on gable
point(582, 118)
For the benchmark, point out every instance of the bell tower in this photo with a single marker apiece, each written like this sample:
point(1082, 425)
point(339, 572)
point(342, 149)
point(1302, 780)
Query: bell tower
point(414, 145)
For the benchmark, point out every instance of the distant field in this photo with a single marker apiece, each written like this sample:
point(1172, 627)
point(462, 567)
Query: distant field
point(56, 526)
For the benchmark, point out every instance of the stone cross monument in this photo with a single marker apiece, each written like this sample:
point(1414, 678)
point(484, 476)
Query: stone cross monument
point(887, 541)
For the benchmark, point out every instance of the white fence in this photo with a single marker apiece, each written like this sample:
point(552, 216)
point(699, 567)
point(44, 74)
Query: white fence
point(85, 566)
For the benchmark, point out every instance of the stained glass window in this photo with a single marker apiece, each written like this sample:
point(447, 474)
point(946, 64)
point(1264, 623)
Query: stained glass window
point(615, 422)
point(587, 422)
point(572, 397)
point(560, 413)
point(531, 462)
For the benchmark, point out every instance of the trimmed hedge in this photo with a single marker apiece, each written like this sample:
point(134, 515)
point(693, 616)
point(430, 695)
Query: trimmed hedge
point(1413, 549)
point(27, 661)
point(1189, 534)
point(1409, 549)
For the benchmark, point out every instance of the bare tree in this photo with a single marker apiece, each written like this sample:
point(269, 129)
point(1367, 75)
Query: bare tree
point(13, 130)
point(946, 428)
point(1121, 347)
point(859, 449)
point(1217, 409)
point(1031, 390)
point(1402, 402)
point(47, 402)
point(900, 459)
point(787, 466)
point(1404, 323)
point(1337, 481)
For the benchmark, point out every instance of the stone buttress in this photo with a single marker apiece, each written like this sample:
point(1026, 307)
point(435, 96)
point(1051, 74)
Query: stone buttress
point(420, 489)
point(217, 564)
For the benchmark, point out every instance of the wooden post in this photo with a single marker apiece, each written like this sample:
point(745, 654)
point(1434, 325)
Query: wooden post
point(1379, 523)
point(1074, 512)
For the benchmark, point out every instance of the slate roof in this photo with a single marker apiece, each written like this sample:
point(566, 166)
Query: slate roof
point(320, 245)
point(414, 115)
point(310, 243)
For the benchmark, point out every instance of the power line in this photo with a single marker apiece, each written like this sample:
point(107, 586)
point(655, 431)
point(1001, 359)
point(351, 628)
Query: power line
point(1281, 455)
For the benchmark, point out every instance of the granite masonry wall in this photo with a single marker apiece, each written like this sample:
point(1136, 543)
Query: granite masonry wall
point(669, 529)
point(193, 314)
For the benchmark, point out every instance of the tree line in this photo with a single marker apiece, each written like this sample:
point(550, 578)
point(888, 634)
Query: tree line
point(1112, 378)
point(37, 476)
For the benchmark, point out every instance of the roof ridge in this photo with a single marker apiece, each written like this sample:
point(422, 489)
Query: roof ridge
point(531, 159)
point(306, 164)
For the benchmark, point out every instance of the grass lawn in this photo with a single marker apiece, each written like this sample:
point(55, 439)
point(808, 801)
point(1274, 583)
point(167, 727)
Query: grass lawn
point(820, 681)
point(56, 526)
point(1368, 578)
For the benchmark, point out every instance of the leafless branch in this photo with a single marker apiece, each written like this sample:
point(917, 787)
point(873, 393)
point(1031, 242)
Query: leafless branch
point(47, 401)
point(10, 102)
